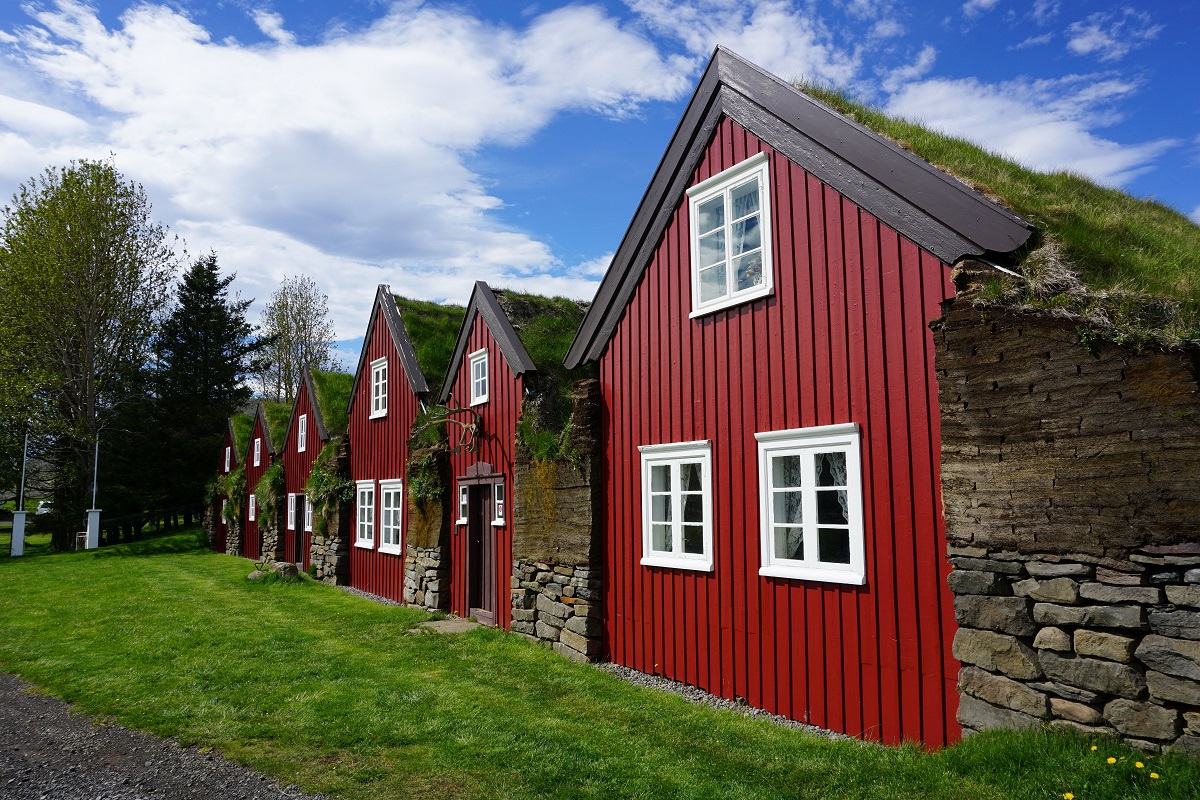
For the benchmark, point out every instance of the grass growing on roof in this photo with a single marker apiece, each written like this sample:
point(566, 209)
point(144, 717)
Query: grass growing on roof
point(341, 695)
point(433, 330)
point(243, 425)
point(1114, 242)
point(278, 416)
point(333, 398)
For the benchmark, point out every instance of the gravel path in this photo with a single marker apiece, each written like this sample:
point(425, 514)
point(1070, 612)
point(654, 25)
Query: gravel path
point(49, 753)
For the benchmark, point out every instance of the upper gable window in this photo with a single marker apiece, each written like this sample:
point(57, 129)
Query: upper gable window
point(302, 434)
point(379, 380)
point(730, 216)
point(257, 451)
point(227, 459)
point(479, 377)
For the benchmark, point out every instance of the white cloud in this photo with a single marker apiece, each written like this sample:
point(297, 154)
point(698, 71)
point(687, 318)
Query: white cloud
point(345, 159)
point(1045, 10)
point(975, 8)
point(1109, 37)
point(1195, 215)
point(1047, 125)
point(887, 29)
point(1033, 41)
point(911, 72)
point(777, 35)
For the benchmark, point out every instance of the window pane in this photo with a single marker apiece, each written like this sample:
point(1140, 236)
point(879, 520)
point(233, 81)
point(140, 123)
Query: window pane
point(710, 215)
point(748, 271)
point(693, 538)
point(660, 508)
point(744, 199)
point(689, 477)
point(789, 508)
point(831, 507)
point(831, 469)
point(833, 545)
point(712, 283)
point(660, 478)
point(712, 249)
point(661, 538)
point(693, 508)
point(785, 472)
point(789, 543)
point(746, 236)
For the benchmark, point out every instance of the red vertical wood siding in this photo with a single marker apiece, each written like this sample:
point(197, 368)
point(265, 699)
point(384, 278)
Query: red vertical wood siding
point(298, 466)
point(222, 527)
point(844, 338)
point(251, 536)
point(379, 452)
point(498, 435)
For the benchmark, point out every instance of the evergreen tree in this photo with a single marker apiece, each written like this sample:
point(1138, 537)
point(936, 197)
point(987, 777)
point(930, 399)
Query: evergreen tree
point(205, 351)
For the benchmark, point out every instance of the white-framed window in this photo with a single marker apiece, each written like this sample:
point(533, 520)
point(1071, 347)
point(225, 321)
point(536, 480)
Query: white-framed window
point(223, 504)
point(730, 215)
point(227, 456)
point(364, 527)
point(257, 451)
point(308, 514)
point(498, 504)
point(302, 434)
point(479, 377)
point(677, 505)
point(252, 508)
point(464, 494)
point(379, 387)
point(391, 512)
point(810, 504)
point(291, 515)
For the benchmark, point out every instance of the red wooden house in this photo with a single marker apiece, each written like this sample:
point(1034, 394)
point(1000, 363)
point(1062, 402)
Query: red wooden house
point(490, 373)
point(318, 415)
point(387, 394)
point(270, 420)
point(773, 525)
point(228, 460)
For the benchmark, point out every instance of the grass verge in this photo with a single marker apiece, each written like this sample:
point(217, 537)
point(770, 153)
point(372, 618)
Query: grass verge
point(344, 696)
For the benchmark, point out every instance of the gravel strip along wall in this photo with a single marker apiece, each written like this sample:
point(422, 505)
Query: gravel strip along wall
point(1071, 483)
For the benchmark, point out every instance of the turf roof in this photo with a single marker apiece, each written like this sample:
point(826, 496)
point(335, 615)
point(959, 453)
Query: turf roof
point(433, 330)
point(546, 327)
point(243, 424)
point(333, 399)
point(1115, 243)
point(278, 415)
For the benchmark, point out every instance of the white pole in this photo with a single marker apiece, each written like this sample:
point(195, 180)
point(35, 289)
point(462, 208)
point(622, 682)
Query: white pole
point(24, 458)
point(93, 514)
point(16, 546)
point(95, 470)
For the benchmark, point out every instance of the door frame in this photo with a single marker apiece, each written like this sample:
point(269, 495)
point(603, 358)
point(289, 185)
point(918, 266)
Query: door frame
point(482, 567)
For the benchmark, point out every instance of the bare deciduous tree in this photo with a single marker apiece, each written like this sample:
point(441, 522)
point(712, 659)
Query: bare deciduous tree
point(296, 325)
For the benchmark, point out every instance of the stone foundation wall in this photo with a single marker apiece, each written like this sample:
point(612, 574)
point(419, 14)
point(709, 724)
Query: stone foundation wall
point(329, 553)
point(426, 572)
point(208, 521)
point(561, 604)
point(1071, 488)
point(233, 538)
point(272, 535)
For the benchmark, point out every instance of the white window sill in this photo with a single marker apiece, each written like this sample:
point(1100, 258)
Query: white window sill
point(733, 300)
point(462, 521)
point(479, 402)
point(365, 544)
point(498, 523)
point(813, 574)
point(697, 564)
point(391, 549)
point(377, 415)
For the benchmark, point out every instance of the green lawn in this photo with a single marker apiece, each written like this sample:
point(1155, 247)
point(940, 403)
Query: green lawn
point(341, 695)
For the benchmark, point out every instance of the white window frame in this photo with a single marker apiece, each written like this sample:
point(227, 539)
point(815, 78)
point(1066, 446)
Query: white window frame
point(302, 434)
point(464, 504)
point(227, 456)
point(846, 438)
point(308, 514)
point(479, 359)
point(257, 451)
point(252, 508)
point(379, 388)
point(291, 512)
point(675, 454)
point(721, 184)
point(222, 520)
point(394, 489)
point(364, 530)
point(498, 518)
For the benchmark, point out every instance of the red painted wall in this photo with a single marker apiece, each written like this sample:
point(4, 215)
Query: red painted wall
point(251, 536)
point(297, 466)
point(844, 338)
point(221, 539)
point(495, 446)
point(379, 451)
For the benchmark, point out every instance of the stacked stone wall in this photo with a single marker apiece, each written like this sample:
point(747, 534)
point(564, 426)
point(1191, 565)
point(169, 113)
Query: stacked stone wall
point(1071, 485)
point(329, 552)
point(426, 572)
point(560, 604)
point(233, 538)
point(272, 534)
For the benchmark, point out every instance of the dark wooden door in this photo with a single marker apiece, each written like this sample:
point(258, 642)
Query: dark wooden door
point(481, 554)
point(297, 554)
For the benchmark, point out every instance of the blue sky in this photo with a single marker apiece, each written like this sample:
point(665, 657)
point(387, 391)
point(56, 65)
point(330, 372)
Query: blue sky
point(427, 145)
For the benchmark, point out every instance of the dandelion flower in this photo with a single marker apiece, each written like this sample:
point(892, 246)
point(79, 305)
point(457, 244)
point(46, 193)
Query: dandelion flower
point(1138, 764)
point(1093, 748)
point(1154, 775)
point(1068, 796)
point(1112, 760)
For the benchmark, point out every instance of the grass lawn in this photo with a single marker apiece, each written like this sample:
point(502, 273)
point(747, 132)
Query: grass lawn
point(342, 695)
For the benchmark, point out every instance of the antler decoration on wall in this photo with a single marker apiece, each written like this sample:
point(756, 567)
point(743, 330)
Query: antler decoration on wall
point(470, 430)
